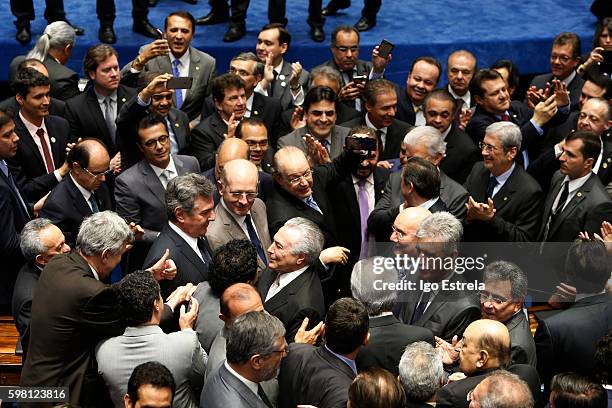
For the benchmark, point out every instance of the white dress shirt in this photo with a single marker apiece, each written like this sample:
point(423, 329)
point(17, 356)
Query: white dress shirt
point(84, 192)
point(383, 136)
point(183, 69)
point(501, 179)
point(282, 280)
point(240, 220)
point(191, 241)
point(158, 172)
point(32, 128)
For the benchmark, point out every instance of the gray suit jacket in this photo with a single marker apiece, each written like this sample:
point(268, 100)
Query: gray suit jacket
point(294, 138)
point(523, 349)
point(281, 85)
point(225, 228)
point(223, 390)
point(201, 68)
point(208, 323)
point(180, 352)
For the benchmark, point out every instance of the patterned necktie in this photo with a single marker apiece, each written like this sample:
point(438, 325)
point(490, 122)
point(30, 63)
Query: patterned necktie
point(178, 92)
point(46, 152)
point(94, 203)
point(492, 184)
point(364, 212)
point(313, 204)
point(109, 117)
point(254, 238)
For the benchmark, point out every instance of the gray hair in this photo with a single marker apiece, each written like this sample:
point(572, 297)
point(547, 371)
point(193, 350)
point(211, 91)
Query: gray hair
point(507, 271)
point(325, 72)
point(428, 136)
point(365, 273)
point(444, 227)
point(57, 35)
point(182, 192)
point(249, 56)
point(421, 371)
point(311, 239)
point(30, 242)
point(506, 390)
point(508, 133)
point(103, 231)
point(252, 333)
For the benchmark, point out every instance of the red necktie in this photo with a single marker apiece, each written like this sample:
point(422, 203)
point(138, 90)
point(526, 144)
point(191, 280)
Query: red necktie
point(48, 159)
point(505, 117)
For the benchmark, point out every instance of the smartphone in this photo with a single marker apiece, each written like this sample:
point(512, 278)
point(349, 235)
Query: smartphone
point(160, 34)
point(360, 79)
point(384, 48)
point(606, 65)
point(179, 83)
point(361, 143)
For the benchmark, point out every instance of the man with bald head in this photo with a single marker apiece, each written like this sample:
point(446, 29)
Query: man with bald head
point(502, 389)
point(404, 228)
point(83, 192)
point(240, 214)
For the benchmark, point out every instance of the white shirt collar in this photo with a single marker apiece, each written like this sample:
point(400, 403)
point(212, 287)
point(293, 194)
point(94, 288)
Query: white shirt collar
point(249, 104)
point(576, 183)
point(158, 170)
point(239, 218)
point(285, 279)
point(184, 58)
point(467, 98)
point(101, 98)
point(446, 132)
point(32, 128)
point(569, 78)
point(253, 386)
point(371, 125)
point(279, 67)
point(369, 179)
point(191, 241)
point(94, 272)
point(84, 192)
point(502, 178)
point(427, 204)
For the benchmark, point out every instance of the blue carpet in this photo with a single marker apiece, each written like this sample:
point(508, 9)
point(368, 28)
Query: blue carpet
point(519, 30)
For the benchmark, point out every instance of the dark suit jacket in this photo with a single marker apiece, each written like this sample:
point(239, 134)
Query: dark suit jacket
point(66, 207)
point(206, 139)
point(518, 207)
point(461, 154)
point(405, 109)
point(22, 296)
point(393, 139)
point(87, 119)
point(223, 389)
point(557, 133)
point(313, 376)
point(574, 88)
point(71, 312)
point(190, 267)
point(567, 340)
point(301, 298)
point(522, 346)
point(388, 340)
point(362, 68)
point(57, 107)
point(126, 135)
point(28, 167)
point(64, 81)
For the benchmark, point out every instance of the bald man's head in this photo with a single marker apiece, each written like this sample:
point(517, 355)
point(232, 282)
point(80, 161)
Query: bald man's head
point(292, 171)
point(230, 149)
point(238, 186)
point(89, 162)
point(238, 299)
point(35, 64)
point(502, 389)
point(405, 227)
point(485, 344)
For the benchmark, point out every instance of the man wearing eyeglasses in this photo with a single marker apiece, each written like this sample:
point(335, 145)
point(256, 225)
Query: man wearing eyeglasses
point(240, 214)
point(83, 192)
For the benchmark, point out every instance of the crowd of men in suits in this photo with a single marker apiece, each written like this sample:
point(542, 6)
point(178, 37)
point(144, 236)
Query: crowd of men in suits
point(244, 219)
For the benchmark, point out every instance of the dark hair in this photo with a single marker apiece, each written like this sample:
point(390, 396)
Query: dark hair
point(80, 153)
point(183, 14)
point(146, 78)
point(346, 325)
point(223, 82)
point(151, 373)
point(441, 95)
point(591, 145)
point(233, 262)
point(259, 67)
point(601, 24)
point(5, 118)
point(600, 80)
point(603, 359)
point(26, 79)
point(284, 36)
point(571, 390)
point(252, 121)
point(513, 72)
point(318, 94)
point(344, 29)
point(29, 63)
point(150, 120)
point(481, 76)
point(587, 266)
point(431, 61)
point(138, 292)
point(376, 388)
point(252, 333)
point(182, 191)
point(424, 177)
point(571, 39)
point(377, 87)
point(96, 55)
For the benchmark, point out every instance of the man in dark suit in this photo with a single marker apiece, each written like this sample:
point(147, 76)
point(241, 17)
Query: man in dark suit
point(229, 97)
point(505, 288)
point(439, 109)
point(422, 78)
point(255, 134)
point(321, 376)
point(83, 192)
point(388, 336)
point(175, 55)
point(40, 162)
point(421, 373)
point(564, 58)
point(505, 201)
point(94, 112)
point(345, 52)
point(460, 69)
point(15, 212)
point(153, 98)
point(190, 208)
point(140, 190)
point(64, 81)
point(255, 348)
point(290, 286)
point(381, 106)
point(40, 242)
point(446, 313)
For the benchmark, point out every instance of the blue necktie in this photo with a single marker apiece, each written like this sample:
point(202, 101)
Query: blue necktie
point(313, 204)
point(254, 238)
point(94, 204)
point(178, 92)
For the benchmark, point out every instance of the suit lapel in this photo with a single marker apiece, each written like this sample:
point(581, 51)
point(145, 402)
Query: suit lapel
point(93, 107)
point(187, 251)
point(152, 181)
point(78, 199)
point(258, 106)
point(194, 72)
point(28, 142)
point(336, 143)
point(282, 297)
point(56, 145)
point(577, 198)
point(282, 78)
point(505, 194)
point(218, 126)
point(179, 132)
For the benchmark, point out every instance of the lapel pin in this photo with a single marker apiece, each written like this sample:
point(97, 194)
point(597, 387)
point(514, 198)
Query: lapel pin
point(122, 99)
point(579, 194)
point(382, 191)
point(52, 140)
point(176, 125)
point(609, 159)
point(505, 198)
point(283, 83)
point(255, 113)
point(282, 77)
point(197, 68)
point(605, 165)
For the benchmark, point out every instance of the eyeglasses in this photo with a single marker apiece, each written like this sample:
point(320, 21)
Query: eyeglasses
point(249, 195)
point(562, 58)
point(153, 142)
point(486, 296)
point(401, 234)
point(487, 147)
point(297, 179)
point(353, 49)
point(97, 175)
point(283, 352)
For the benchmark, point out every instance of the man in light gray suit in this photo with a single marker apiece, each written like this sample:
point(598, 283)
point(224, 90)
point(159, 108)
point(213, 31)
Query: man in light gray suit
point(320, 105)
point(174, 54)
point(143, 340)
point(240, 214)
point(140, 190)
point(255, 347)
